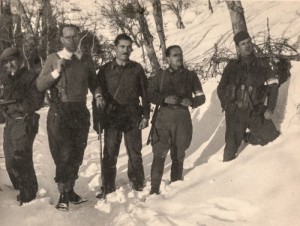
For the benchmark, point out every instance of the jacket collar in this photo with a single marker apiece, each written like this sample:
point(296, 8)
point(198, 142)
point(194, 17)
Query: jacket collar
point(250, 60)
point(172, 70)
point(116, 65)
point(65, 54)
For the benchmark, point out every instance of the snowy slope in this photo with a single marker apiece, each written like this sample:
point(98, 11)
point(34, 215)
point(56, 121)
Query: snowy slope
point(260, 187)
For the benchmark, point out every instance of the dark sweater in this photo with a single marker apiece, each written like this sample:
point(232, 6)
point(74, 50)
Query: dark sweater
point(74, 81)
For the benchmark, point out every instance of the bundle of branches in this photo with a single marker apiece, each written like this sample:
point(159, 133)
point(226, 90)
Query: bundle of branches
point(278, 51)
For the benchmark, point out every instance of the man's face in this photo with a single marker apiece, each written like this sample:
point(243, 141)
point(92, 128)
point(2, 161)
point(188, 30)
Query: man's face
point(12, 65)
point(245, 47)
point(176, 58)
point(70, 39)
point(123, 50)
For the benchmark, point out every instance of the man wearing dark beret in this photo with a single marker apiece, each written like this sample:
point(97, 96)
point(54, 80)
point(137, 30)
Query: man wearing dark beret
point(20, 99)
point(246, 84)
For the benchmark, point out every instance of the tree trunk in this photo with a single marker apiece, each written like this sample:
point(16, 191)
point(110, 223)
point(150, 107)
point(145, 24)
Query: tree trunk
point(6, 25)
point(210, 7)
point(179, 23)
point(148, 38)
point(17, 31)
point(157, 13)
point(236, 12)
point(29, 42)
point(49, 30)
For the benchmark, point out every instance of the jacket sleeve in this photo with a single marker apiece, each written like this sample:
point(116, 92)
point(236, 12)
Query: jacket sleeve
point(154, 92)
point(45, 79)
point(224, 82)
point(144, 93)
point(272, 82)
point(102, 82)
point(93, 81)
point(35, 99)
point(199, 97)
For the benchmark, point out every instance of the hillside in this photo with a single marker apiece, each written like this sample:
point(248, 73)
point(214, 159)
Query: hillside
point(260, 187)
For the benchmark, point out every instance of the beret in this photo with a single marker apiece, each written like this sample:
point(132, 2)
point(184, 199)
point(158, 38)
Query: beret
point(9, 53)
point(240, 36)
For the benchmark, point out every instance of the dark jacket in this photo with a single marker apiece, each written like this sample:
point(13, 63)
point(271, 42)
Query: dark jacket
point(181, 83)
point(73, 83)
point(253, 72)
point(22, 88)
point(125, 85)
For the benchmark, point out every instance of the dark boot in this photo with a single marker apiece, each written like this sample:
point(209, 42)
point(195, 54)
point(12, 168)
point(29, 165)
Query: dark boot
point(154, 191)
point(246, 137)
point(176, 171)
point(138, 186)
point(75, 198)
point(63, 202)
point(27, 193)
point(157, 170)
point(104, 192)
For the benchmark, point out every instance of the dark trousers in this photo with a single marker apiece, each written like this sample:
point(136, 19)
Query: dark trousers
point(262, 131)
point(173, 131)
point(19, 135)
point(133, 143)
point(68, 127)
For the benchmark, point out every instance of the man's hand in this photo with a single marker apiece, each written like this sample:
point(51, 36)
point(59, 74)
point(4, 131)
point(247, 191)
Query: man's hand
point(268, 114)
point(61, 64)
point(186, 102)
point(143, 124)
point(198, 101)
point(100, 102)
point(172, 99)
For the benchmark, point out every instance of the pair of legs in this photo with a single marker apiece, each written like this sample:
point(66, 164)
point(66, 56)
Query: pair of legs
point(262, 131)
point(133, 143)
point(19, 135)
point(67, 127)
point(173, 131)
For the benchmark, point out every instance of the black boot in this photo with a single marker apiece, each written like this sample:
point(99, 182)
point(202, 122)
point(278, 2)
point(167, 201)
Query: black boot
point(138, 186)
point(176, 170)
point(75, 198)
point(27, 193)
point(63, 202)
point(157, 170)
point(154, 191)
point(104, 192)
point(246, 137)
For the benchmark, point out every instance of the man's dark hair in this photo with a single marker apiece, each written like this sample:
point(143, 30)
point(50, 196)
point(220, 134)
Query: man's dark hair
point(168, 50)
point(68, 25)
point(122, 37)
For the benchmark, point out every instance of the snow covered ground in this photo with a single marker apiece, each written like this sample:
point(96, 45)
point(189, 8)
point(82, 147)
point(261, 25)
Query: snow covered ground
point(260, 187)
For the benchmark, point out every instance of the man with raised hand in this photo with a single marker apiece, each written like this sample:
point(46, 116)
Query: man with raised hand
point(20, 99)
point(174, 90)
point(245, 85)
point(68, 74)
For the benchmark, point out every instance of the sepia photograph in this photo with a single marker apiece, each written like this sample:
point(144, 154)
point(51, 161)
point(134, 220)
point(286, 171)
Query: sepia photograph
point(149, 113)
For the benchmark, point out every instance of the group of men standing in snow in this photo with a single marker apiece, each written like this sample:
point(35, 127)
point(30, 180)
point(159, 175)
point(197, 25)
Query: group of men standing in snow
point(117, 90)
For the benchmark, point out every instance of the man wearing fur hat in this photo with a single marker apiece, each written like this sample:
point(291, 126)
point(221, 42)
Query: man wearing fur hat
point(246, 84)
point(20, 99)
